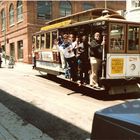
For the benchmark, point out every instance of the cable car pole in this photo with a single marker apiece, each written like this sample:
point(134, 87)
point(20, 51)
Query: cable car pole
point(103, 57)
point(103, 47)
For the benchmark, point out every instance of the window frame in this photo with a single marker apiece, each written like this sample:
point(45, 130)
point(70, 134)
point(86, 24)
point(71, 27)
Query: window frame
point(63, 5)
point(47, 40)
point(46, 6)
point(54, 37)
point(11, 14)
point(3, 20)
point(109, 42)
point(19, 11)
point(133, 51)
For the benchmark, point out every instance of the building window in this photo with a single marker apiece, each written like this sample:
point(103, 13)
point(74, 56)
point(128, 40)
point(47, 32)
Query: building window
point(65, 8)
point(11, 14)
point(44, 9)
point(19, 11)
point(3, 20)
point(12, 49)
point(20, 49)
point(137, 3)
point(87, 6)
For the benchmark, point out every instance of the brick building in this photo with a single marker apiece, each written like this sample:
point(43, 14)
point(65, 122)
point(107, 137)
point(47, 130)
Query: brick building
point(20, 19)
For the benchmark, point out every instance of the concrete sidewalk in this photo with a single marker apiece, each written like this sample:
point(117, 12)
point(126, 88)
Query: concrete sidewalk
point(19, 66)
point(12, 127)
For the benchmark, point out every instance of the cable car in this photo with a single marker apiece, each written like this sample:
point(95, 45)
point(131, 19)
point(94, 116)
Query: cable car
point(120, 70)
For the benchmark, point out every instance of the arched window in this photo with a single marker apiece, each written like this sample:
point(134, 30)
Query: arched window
point(3, 20)
point(19, 10)
point(11, 14)
point(44, 9)
point(65, 8)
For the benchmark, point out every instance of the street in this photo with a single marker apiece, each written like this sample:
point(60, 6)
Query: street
point(56, 107)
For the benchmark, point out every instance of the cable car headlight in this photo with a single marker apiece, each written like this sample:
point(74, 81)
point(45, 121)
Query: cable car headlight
point(132, 67)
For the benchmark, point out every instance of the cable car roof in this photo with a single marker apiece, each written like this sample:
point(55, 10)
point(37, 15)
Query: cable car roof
point(94, 13)
point(68, 21)
point(97, 15)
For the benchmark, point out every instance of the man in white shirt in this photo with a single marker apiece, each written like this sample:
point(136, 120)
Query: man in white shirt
point(68, 51)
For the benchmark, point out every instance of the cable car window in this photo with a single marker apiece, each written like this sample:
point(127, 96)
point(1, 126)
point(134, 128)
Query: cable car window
point(34, 42)
point(37, 41)
point(54, 38)
point(133, 38)
point(117, 36)
point(47, 40)
point(42, 41)
point(33, 39)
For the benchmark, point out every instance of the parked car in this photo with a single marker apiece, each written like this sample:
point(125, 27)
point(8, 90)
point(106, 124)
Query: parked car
point(120, 122)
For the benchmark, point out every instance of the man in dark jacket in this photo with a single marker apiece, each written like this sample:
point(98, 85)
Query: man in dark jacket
point(95, 58)
point(83, 60)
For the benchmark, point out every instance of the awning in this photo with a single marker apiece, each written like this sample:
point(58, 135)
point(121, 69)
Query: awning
point(57, 25)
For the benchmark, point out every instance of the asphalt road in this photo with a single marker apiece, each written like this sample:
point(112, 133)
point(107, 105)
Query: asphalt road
point(60, 109)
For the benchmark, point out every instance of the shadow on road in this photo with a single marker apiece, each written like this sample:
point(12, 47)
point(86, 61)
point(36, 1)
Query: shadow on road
point(85, 91)
point(52, 125)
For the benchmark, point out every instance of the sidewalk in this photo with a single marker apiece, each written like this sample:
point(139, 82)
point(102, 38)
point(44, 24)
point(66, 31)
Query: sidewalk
point(19, 66)
point(5, 63)
point(12, 127)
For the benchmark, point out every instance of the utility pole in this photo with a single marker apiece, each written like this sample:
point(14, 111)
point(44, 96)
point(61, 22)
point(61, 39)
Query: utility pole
point(105, 4)
point(5, 37)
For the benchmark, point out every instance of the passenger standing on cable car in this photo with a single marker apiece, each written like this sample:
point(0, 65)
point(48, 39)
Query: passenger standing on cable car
point(60, 38)
point(96, 58)
point(74, 40)
point(33, 58)
point(68, 51)
point(63, 61)
point(83, 60)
